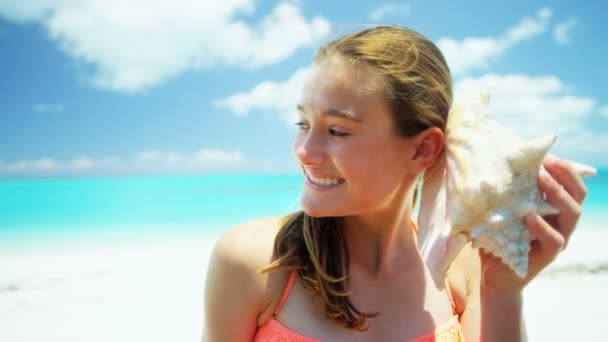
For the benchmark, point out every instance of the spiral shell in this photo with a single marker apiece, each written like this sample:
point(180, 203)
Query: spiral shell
point(488, 185)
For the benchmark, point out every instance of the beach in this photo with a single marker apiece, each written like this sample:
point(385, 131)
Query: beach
point(154, 292)
point(132, 283)
point(130, 292)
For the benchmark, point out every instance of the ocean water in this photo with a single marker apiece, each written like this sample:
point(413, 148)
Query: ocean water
point(145, 208)
point(157, 207)
point(124, 259)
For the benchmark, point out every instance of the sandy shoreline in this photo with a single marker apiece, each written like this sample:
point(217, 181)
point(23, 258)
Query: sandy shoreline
point(149, 292)
point(567, 307)
point(154, 292)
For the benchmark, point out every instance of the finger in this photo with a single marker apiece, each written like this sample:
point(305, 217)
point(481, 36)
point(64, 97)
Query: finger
point(569, 209)
point(550, 240)
point(565, 174)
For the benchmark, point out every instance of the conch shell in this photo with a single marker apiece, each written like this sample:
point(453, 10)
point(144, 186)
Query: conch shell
point(482, 190)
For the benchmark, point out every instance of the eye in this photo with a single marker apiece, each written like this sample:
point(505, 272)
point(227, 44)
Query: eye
point(338, 133)
point(302, 125)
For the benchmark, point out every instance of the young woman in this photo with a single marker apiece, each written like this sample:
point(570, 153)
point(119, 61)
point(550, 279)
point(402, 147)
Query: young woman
point(347, 267)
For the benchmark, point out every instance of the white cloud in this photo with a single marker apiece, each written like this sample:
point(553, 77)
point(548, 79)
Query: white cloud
point(46, 164)
point(276, 98)
point(587, 146)
point(211, 157)
point(148, 156)
point(473, 53)
point(282, 32)
point(17, 166)
point(203, 160)
point(527, 28)
point(603, 111)
point(39, 165)
point(173, 158)
point(530, 105)
point(83, 163)
point(385, 10)
point(470, 53)
point(536, 106)
point(561, 32)
point(140, 43)
point(145, 162)
point(48, 107)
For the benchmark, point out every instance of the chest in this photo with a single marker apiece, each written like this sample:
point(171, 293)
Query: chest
point(405, 309)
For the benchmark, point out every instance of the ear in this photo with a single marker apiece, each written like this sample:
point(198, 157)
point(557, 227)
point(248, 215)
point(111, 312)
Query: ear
point(429, 145)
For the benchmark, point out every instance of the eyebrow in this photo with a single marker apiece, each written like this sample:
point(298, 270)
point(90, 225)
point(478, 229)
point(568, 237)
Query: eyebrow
point(344, 114)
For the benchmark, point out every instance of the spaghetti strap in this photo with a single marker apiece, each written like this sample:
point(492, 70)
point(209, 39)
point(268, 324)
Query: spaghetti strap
point(286, 291)
point(415, 228)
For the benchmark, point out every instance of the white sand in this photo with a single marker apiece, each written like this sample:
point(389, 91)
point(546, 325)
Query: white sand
point(570, 307)
point(136, 293)
point(569, 300)
point(154, 292)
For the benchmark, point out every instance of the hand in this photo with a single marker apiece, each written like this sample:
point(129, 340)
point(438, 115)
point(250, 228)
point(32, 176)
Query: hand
point(566, 191)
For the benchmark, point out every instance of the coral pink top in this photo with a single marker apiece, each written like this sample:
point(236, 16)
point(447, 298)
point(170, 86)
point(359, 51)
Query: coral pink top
point(274, 331)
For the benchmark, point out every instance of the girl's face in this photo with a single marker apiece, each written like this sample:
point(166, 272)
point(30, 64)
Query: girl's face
point(354, 162)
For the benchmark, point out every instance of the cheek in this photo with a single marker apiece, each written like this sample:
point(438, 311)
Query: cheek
point(371, 164)
point(380, 155)
point(379, 167)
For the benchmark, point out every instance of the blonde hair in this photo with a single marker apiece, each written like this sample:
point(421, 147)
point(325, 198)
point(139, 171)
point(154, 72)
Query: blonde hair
point(417, 86)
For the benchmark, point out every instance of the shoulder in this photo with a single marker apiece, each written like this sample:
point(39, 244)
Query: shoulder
point(248, 244)
point(236, 292)
point(240, 254)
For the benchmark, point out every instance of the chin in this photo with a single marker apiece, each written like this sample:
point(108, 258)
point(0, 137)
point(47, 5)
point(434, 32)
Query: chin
point(316, 209)
point(315, 212)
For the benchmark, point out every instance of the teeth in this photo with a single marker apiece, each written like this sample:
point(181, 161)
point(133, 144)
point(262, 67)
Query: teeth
point(325, 181)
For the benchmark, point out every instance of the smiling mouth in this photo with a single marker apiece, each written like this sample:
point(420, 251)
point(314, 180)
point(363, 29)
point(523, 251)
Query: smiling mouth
point(324, 181)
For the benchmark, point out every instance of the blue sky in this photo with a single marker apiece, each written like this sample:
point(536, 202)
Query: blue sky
point(115, 87)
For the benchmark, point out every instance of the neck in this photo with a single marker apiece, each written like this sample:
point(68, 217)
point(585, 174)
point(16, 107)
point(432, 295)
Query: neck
point(382, 243)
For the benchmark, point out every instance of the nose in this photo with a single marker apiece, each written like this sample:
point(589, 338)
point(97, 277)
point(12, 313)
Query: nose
point(309, 147)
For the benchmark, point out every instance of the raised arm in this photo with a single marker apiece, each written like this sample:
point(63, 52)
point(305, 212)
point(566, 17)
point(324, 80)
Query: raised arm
point(493, 293)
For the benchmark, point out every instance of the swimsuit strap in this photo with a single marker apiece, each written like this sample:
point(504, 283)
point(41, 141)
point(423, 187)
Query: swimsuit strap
point(415, 228)
point(286, 291)
point(292, 280)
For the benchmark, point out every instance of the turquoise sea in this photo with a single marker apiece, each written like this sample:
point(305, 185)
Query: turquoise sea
point(159, 207)
point(139, 207)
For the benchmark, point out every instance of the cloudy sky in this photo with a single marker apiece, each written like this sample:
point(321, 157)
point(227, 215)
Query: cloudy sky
point(110, 87)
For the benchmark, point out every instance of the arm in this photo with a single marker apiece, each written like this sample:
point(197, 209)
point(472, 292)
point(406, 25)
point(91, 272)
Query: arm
point(465, 282)
point(235, 291)
point(230, 303)
point(501, 316)
point(493, 309)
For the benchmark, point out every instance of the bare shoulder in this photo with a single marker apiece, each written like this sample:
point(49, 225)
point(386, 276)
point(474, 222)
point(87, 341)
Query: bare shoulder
point(236, 292)
point(249, 243)
point(245, 249)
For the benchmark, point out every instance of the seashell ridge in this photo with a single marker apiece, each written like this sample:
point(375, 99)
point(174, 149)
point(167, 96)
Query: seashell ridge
point(483, 190)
